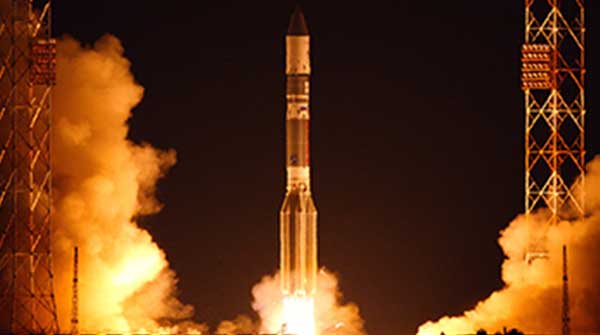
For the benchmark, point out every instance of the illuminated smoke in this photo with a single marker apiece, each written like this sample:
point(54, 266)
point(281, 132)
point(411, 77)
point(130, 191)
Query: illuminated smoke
point(332, 315)
point(102, 182)
point(531, 299)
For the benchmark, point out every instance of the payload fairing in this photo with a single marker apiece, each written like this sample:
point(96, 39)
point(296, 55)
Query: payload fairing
point(298, 216)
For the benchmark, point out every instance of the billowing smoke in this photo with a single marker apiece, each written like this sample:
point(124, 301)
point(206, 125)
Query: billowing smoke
point(102, 182)
point(332, 315)
point(531, 299)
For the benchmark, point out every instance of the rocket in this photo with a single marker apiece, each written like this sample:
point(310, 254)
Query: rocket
point(298, 215)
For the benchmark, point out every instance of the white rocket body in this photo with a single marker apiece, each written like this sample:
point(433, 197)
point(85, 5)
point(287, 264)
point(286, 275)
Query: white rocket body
point(298, 215)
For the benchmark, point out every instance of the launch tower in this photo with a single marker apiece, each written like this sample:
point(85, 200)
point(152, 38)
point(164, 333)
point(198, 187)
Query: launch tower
point(27, 74)
point(553, 72)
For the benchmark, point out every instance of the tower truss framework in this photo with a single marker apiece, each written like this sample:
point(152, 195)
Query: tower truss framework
point(553, 79)
point(27, 56)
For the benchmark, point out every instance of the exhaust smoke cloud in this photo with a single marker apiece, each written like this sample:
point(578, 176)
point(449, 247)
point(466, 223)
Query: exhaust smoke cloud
point(531, 299)
point(102, 181)
point(332, 314)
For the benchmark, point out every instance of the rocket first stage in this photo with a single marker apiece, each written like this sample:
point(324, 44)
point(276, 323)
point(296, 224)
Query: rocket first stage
point(298, 215)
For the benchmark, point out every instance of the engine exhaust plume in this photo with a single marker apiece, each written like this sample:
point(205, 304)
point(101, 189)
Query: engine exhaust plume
point(332, 315)
point(102, 181)
point(531, 297)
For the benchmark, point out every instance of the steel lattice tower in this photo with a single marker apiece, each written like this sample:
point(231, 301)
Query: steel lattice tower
point(553, 73)
point(27, 54)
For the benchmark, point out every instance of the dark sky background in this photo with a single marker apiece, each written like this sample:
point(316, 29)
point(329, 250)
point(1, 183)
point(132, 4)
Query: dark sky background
point(417, 132)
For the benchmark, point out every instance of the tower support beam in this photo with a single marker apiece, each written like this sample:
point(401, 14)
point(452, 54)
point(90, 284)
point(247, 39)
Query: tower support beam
point(27, 54)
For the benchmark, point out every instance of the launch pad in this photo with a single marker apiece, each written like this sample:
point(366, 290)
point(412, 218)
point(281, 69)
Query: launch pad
point(28, 74)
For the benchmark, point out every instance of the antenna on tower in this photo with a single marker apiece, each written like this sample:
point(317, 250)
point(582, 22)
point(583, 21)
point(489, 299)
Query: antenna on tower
point(74, 302)
point(566, 318)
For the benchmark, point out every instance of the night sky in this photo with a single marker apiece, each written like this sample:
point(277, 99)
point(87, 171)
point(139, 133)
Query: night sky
point(416, 138)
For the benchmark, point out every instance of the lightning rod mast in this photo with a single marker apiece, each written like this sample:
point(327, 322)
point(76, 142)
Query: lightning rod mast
point(566, 317)
point(75, 294)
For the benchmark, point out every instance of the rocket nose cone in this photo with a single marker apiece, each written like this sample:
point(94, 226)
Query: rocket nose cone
point(297, 23)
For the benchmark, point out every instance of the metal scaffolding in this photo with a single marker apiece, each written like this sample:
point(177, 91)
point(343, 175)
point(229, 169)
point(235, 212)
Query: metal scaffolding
point(27, 74)
point(553, 73)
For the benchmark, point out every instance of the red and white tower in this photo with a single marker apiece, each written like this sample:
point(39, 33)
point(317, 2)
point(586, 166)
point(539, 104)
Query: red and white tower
point(553, 81)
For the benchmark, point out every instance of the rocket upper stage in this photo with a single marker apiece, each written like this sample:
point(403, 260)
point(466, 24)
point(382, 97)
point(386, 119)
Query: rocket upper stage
point(298, 215)
point(298, 70)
